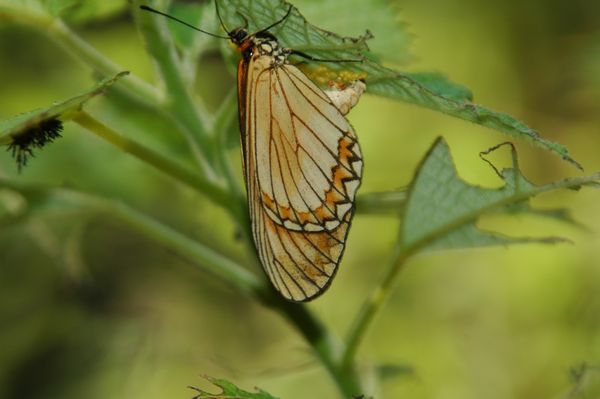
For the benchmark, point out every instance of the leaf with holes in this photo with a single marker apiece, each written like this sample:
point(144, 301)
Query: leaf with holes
point(392, 40)
point(442, 210)
point(426, 90)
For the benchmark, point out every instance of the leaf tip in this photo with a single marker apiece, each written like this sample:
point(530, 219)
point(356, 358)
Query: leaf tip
point(573, 162)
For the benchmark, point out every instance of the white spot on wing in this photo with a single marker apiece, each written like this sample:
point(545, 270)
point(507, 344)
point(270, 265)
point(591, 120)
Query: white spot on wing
point(342, 209)
point(357, 166)
point(291, 225)
point(313, 227)
point(351, 187)
point(332, 224)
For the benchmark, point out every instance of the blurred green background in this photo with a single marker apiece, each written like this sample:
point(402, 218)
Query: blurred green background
point(90, 309)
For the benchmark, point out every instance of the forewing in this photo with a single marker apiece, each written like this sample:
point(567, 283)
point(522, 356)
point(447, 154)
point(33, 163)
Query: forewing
point(309, 162)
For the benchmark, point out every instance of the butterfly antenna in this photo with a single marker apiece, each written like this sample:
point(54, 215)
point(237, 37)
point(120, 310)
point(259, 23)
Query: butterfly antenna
point(245, 20)
point(287, 14)
point(146, 8)
point(220, 19)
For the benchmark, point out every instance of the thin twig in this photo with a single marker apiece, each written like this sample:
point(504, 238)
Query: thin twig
point(372, 305)
point(189, 111)
point(211, 189)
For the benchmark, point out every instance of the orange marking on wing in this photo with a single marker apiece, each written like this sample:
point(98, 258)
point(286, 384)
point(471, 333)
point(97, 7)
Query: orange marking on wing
point(332, 197)
point(338, 177)
point(285, 212)
point(323, 213)
point(267, 201)
point(305, 217)
point(344, 150)
point(335, 195)
point(324, 242)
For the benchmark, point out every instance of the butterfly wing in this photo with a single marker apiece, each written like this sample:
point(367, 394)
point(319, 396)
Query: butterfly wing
point(302, 166)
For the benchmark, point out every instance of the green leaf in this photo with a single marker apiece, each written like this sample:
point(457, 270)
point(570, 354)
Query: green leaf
point(62, 111)
point(429, 91)
point(72, 10)
point(442, 210)
point(39, 127)
point(382, 203)
point(295, 32)
point(229, 391)
point(190, 13)
point(560, 214)
point(19, 10)
point(81, 11)
point(56, 7)
point(439, 84)
point(446, 98)
point(392, 41)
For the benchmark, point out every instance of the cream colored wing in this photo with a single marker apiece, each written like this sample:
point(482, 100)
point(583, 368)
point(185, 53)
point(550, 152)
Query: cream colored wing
point(309, 163)
point(303, 166)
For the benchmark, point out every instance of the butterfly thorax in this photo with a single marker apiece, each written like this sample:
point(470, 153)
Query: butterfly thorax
point(268, 46)
point(262, 44)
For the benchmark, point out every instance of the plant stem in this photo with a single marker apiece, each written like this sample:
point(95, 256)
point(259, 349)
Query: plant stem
point(82, 50)
point(402, 253)
point(315, 333)
point(214, 191)
point(225, 116)
point(133, 87)
point(79, 48)
point(199, 254)
point(325, 346)
point(381, 203)
point(208, 259)
point(188, 112)
point(373, 304)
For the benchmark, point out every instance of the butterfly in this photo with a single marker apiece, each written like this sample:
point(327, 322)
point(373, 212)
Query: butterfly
point(302, 164)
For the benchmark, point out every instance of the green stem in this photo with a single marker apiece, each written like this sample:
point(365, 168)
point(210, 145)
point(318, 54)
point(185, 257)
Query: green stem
point(170, 238)
point(315, 333)
point(383, 203)
point(372, 305)
point(82, 50)
point(135, 88)
point(181, 244)
point(79, 48)
point(221, 125)
point(402, 253)
point(225, 117)
point(215, 192)
point(188, 112)
point(326, 347)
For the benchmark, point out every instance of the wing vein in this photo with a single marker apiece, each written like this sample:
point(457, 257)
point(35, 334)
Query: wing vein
point(314, 106)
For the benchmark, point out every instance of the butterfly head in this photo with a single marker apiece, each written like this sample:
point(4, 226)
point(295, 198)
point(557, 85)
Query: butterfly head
point(238, 36)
